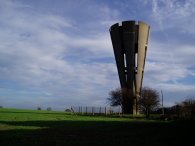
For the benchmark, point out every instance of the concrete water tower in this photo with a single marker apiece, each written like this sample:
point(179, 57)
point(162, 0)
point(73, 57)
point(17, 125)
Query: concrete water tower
point(130, 43)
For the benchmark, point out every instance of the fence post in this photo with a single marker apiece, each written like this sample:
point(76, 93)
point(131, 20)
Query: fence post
point(92, 111)
point(86, 109)
point(105, 111)
point(119, 111)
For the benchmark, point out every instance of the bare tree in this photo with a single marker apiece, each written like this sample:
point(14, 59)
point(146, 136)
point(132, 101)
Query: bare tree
point(115, 97)
point(149, 100)
point(187, 108)
point(121, 97)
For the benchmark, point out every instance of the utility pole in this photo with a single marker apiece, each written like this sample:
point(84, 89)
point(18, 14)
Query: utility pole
point(162, 104)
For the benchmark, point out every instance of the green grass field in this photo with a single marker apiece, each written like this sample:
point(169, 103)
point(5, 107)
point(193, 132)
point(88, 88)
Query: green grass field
point(31, 128)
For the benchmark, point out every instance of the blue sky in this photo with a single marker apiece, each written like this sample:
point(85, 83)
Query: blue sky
point(59, 53)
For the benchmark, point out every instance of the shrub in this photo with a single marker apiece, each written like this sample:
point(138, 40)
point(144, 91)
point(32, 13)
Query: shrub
point(39, 108)
point(67, 110)
point(49, 109)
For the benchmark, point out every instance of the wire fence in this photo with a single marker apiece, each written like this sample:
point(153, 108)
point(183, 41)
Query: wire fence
point(96, 110)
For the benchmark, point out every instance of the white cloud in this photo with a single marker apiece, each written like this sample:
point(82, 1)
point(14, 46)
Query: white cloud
point(174, 14)
point(33, 52)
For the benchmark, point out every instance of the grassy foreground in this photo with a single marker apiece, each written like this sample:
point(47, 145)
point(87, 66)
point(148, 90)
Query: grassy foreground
point(32, 128)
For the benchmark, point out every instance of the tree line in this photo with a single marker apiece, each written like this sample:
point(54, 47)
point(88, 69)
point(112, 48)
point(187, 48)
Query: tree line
point(149, 103)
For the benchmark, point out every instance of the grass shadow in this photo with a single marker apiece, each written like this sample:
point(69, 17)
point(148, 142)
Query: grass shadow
point(56, 133)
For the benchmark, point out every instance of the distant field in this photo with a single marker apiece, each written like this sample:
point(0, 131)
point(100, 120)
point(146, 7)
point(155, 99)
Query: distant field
point(31, 128)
